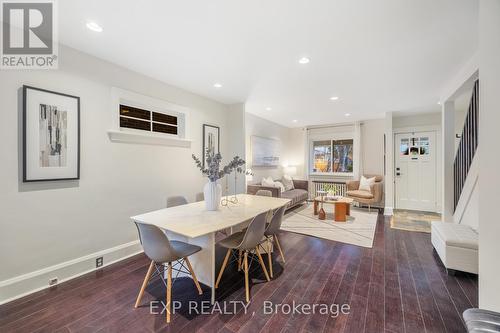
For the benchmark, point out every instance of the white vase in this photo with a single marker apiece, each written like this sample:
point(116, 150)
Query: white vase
point(213, 195)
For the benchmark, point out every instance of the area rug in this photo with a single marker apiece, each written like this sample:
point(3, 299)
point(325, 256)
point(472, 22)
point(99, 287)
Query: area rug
point(413, 220)
point(359, 229)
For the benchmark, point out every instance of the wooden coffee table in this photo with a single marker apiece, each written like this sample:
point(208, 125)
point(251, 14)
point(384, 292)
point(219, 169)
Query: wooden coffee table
point(342, 207)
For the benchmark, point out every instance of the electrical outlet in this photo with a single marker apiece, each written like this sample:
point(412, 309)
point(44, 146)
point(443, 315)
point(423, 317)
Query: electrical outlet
point(99, 262)
point(53, 281)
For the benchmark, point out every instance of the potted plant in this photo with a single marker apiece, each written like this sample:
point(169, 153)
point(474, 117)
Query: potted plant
point(212, 189)
point(332, 191)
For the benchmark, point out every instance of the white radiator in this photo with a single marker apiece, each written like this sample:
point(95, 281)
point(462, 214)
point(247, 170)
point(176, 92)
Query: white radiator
point(319, 185)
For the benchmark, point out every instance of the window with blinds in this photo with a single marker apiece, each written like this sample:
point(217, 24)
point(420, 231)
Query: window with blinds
point(150, 121)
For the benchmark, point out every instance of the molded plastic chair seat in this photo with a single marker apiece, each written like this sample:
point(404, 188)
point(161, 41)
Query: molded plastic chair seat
point(164, 253)
point(245, 242)
point(271, 235)
point(234, 241)
point(182, 249)
point(177, 200)
point(200, 196)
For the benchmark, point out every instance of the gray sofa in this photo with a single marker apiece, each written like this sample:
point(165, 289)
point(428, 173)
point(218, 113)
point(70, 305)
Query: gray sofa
point(297, 196)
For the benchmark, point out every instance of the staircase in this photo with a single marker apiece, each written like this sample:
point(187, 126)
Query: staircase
point(467, 146)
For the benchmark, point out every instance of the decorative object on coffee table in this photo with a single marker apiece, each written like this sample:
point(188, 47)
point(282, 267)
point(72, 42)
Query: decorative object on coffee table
point(212, 189)
point(342, 207)
point(51, 135)
point(322, 213)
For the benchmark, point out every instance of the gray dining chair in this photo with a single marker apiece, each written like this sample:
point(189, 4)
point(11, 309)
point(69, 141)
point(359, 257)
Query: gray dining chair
point(271, 235)
point(264, 193)
point(200, 197)
point(177, 200)
point(164, 254)
point(245, 242)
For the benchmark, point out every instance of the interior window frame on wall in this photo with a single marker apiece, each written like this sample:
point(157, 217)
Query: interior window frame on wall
point(332, 139)
point(117, 133)
point(153, 119)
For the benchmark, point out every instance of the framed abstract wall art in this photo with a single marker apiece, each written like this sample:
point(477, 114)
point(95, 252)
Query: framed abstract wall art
point(211, 139)
point(265, 152)
point(51, 135)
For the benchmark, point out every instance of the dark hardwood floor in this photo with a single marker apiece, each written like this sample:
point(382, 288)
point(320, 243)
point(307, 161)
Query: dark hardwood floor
point(397, 286)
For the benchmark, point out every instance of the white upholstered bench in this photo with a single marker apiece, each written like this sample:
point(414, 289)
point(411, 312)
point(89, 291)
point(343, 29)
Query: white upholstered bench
point(456, 245)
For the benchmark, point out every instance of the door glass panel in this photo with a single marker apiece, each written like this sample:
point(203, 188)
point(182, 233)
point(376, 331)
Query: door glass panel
point(403, 146)
point(413, 147)
point(424, 146)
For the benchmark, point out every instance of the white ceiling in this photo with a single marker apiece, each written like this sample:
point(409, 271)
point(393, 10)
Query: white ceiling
point(377, 56)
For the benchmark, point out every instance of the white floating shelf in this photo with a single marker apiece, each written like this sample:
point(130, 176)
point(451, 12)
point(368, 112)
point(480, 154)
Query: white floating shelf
point(148, 139)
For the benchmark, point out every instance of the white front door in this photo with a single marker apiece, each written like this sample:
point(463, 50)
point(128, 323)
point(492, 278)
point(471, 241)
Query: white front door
point(415, 171)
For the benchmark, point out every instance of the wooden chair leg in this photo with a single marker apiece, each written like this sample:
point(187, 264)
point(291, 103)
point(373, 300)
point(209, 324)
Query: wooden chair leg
point(279, 247)
point(239, 260)
point(193, 275)
point(145, 283)
point(169, 291)
point(269, 257)
point(247, 290)
point(222, 268)
point(262, 263)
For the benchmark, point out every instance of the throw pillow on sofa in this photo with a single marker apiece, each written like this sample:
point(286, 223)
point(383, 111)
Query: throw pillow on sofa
point(280, 186)
point(268, 182)
point(287, 182)
point(366, 183)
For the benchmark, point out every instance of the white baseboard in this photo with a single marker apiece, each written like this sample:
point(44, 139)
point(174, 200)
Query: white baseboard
point(29, 283)
point(388, 211)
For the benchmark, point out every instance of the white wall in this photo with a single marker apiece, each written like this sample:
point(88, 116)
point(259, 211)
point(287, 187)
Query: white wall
point(236, 144)
point(470, 215)
point(297, 151)
point(44, 224)
point(415, 120)
point(372, 146)
point(291, 145)
point(489, 178)
point(389, 162)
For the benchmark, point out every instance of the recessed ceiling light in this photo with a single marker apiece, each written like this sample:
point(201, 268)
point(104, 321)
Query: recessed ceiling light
point(217, 85)
point(347, 115)
point(304, 60)
point(439, 103)
point(295, 120)
point(94, 26)
point(268, 108)
point(334, 98)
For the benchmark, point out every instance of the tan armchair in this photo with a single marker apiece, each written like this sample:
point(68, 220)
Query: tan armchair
point(364, 197)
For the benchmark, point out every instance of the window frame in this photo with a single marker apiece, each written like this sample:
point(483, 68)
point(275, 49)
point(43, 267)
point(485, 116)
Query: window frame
point(122, 134)
point(150, 121)
point(330, 138)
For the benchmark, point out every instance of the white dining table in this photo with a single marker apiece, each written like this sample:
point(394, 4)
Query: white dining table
point(193, 224)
